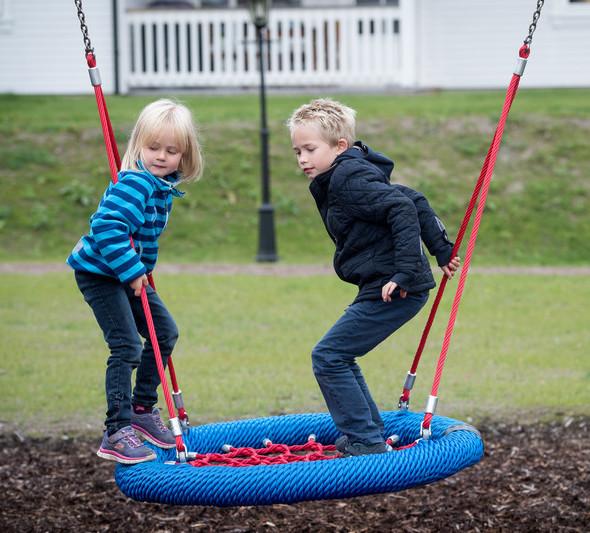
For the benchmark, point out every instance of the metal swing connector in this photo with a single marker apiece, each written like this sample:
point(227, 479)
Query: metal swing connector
point(404, 404)
point(179, 404)
point(431, 403)
point(182, 456)
point(520, 66)
point(94, 74)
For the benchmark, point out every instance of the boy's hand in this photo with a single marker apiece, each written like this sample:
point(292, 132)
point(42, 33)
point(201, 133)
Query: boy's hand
point(452, 267)
point(388, 289)
point(138, 283)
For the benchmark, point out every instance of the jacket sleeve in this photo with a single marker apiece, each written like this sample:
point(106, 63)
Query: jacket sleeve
point(120, 214)
point(368, 198)
point(432, 230)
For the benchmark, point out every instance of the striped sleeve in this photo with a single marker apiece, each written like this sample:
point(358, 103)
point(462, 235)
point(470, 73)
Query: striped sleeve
point(119, 215)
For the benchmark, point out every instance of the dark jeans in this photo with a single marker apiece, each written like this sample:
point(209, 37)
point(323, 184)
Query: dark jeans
point(361, 328)
point(120, 315)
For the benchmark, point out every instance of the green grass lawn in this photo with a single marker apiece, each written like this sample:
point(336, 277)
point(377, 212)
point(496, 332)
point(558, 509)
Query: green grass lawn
point(520, 347)
point(54, 171)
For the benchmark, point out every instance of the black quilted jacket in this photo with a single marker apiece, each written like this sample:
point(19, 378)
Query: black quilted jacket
point(377, 226)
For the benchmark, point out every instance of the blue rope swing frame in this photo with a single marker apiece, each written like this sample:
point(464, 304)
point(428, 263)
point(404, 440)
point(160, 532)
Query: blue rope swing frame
point(453, 446)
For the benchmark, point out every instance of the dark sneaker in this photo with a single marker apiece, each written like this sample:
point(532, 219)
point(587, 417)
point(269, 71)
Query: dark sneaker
point(341, 443)
point(151, 428)
point(124, 447)
point(353, 449)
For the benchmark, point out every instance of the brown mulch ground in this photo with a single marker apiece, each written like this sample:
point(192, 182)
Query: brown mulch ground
point(533, 478)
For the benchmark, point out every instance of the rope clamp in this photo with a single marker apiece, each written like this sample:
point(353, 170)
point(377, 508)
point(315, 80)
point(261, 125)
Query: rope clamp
point(178, 401)
point(520, 66)
point(176, 427)
point(410, 379)
point(94, 74)
point(403, 405)
point(431, 404)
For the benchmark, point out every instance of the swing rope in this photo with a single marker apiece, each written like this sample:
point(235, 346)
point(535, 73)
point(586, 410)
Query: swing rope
point(114, 166)
point(481, 190)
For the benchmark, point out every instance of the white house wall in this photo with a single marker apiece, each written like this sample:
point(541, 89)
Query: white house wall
point(474, 43)
point(41, 47)
point(456, 44)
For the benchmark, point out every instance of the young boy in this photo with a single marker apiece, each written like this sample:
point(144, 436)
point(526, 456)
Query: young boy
point(377, 228)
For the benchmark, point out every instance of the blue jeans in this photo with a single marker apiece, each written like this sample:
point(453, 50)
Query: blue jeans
point(361, 328)
point(120, 315)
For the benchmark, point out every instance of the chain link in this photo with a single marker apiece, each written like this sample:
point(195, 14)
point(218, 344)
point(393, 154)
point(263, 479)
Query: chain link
point(533, 25)
point(83, 27)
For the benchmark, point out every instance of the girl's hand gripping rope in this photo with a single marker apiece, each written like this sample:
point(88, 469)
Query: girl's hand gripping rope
point(138, 283)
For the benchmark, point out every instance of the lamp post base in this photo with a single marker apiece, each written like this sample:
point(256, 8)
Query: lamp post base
point(267, 250)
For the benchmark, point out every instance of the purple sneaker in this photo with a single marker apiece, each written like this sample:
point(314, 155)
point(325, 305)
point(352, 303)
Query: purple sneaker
point(151, 428)
point(124, 447)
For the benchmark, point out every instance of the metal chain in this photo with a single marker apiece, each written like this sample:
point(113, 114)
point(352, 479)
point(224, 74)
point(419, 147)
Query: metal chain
point(533, 25)
point(83, 27)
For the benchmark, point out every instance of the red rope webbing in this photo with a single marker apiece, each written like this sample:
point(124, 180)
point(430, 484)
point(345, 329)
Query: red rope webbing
point(489, 165)
point(274, 454)
point(114, 165)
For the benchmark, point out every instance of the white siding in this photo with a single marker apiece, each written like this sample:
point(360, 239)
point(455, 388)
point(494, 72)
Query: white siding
point(443, 43)
point(474, 44)
point(41, 49)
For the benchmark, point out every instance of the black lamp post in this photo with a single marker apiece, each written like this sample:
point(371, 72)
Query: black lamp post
point(267, 251)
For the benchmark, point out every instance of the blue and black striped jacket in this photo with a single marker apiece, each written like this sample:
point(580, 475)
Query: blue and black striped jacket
point(138, 205)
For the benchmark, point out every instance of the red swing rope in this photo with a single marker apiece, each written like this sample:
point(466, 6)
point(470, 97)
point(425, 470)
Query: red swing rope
point(481, 189)
point(114, 166)
point(483, 186)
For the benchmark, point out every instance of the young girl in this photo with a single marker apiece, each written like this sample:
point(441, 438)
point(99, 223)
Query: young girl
point(163, 152)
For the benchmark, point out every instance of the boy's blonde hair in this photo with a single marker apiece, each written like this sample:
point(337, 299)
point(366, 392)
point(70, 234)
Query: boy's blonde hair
point(334, 120)
point(156, 117)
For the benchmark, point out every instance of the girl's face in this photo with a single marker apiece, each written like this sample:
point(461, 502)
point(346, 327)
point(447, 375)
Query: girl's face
point(162, 155)
point(314, 154)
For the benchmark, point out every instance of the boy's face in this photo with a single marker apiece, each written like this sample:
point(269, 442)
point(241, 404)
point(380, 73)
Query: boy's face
point(314, 154)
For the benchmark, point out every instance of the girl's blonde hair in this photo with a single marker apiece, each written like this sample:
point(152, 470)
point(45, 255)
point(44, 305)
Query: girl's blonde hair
point(334, 120)
point(160, 115)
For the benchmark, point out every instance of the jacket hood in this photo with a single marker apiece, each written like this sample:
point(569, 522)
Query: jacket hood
point(362, 151)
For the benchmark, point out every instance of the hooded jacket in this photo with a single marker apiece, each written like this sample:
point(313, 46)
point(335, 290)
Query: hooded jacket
point(378, 227)
point(138, 205)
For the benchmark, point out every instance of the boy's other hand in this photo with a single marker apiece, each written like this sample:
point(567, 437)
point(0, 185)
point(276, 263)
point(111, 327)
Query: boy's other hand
point(388, 289)
point(138, 283)
point(452, 267)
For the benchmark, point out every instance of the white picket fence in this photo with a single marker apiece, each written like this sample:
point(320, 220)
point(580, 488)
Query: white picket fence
point(307, 47)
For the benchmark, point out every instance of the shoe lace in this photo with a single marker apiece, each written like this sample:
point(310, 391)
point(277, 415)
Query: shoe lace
point(131, 439)
point(158, 421)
